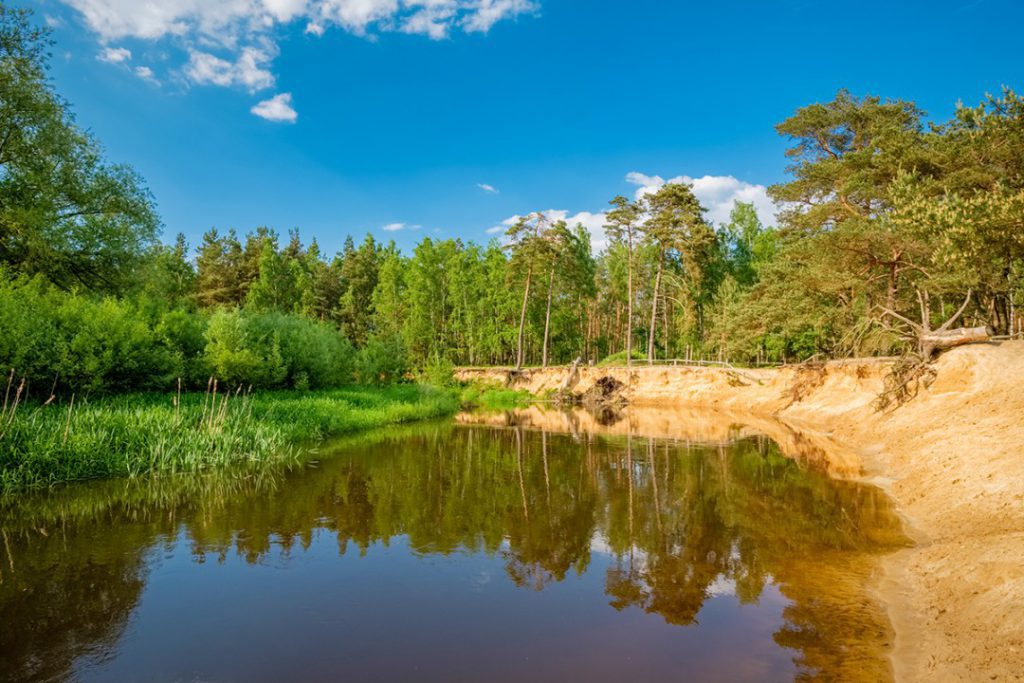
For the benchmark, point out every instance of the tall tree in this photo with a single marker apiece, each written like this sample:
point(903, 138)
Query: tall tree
point(557, 241)
point(528, 244)
point(219, 265)
point(623, 227)
point(845, 156)
point(64, 211)
point(675, 222)
point(359, 270)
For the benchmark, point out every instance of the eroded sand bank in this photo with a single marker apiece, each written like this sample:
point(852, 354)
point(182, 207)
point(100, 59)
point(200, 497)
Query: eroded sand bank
point(953, 460)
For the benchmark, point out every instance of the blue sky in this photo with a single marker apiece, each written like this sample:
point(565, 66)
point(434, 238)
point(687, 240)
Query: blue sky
point(393, 113)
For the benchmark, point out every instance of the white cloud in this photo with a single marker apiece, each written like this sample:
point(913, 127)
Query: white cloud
point(487, 188)
point(277, 108)
point(244, 32)
point(114, 55)
point(395, 227)
point(592, 221)
point(248, 71)
point(489, 12)
point(717, 194)
point(146, 74)
point(433, 20)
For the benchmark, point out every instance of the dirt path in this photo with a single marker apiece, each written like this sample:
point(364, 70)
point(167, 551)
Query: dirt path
point(953, 459)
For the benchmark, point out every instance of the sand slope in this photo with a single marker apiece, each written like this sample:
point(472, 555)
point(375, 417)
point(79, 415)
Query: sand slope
point(953, 459)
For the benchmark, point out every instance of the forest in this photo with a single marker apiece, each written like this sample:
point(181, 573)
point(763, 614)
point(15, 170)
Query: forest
point(887, 219)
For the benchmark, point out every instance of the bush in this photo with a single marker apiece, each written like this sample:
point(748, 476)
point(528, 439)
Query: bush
point(276, 350)
point(438, 372)
point(75, 343)
point(383, 360)
point(314, 355)
point(239, 354)
point(184, 333)
point(83, 344)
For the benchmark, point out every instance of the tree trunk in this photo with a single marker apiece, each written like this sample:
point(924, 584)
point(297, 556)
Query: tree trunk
point(522, 319)
point(629, 302)
point(932, 342)
point(547, 316)
point(893, 282)
point(654, 309)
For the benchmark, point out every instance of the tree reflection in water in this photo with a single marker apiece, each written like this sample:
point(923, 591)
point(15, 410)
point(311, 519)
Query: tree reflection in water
point(681, 524)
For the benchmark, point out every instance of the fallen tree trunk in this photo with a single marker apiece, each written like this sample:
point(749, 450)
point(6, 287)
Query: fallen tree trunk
point(940, 340)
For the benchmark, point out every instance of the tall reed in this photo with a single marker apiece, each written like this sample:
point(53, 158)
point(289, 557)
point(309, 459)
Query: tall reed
point(52, 442)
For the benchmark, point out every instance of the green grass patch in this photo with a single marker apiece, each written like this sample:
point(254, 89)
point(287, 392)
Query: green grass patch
point(42, 445)
point(494, 397)
point(620, 359)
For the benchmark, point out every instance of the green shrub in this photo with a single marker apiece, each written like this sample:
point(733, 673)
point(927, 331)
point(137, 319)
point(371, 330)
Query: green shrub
point(239, 354)
point(438, 372)
point(184, 334)
point(315, 355)
point(276, 350)
point(80, 344)
point(383, 360)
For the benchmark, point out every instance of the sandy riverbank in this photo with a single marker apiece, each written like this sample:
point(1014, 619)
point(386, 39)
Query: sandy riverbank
point(953, 460)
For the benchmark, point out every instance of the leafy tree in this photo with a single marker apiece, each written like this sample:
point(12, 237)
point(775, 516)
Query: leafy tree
point(623, 228)
point(390, 297)
point(219, 270)
point(359, 273)
point(276, 287)
point(674, 223)
point(64, 211)
point(528, 245)
point(557, 249)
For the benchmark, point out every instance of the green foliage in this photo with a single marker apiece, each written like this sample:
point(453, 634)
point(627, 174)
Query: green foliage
point(130, 435)
point(382, 360)
point(76, 343)
point(438, 372)
point(65, 212)
point(494, 397)
point(242, 353)
point(617, 359)
point(276, 350)
point(80, 344)
point(881, 217)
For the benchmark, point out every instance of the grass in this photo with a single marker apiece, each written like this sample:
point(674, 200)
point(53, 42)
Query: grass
point(619, 358)
point(43, 445)
point(495, 397)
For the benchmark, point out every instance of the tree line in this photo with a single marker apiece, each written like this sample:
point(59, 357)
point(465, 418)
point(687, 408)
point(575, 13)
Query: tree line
point(886, 218)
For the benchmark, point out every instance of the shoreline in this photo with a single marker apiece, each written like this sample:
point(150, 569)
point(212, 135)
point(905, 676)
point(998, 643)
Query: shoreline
point(949, 459)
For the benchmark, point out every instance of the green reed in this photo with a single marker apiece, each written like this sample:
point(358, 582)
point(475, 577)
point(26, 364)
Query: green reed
point(42, 444)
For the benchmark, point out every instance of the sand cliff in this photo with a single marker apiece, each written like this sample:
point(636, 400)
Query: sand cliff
point(952, 458)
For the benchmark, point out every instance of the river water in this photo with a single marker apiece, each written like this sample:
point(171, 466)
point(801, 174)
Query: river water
point(456, 552)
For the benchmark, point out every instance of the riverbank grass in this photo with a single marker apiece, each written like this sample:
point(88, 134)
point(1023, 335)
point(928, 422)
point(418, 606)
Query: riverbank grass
point(42, 445)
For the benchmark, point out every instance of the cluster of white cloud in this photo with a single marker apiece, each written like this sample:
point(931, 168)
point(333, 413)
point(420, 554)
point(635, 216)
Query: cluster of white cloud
point(123, 57)
point(395, 227)
point(717, 194)
point(593, 222)
point(248, 70)
point(490, 189)
point(114, 55)
point(277, 108)
point(232, 42)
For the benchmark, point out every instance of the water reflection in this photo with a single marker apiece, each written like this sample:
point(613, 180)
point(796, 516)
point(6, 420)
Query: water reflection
point(662, 527)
